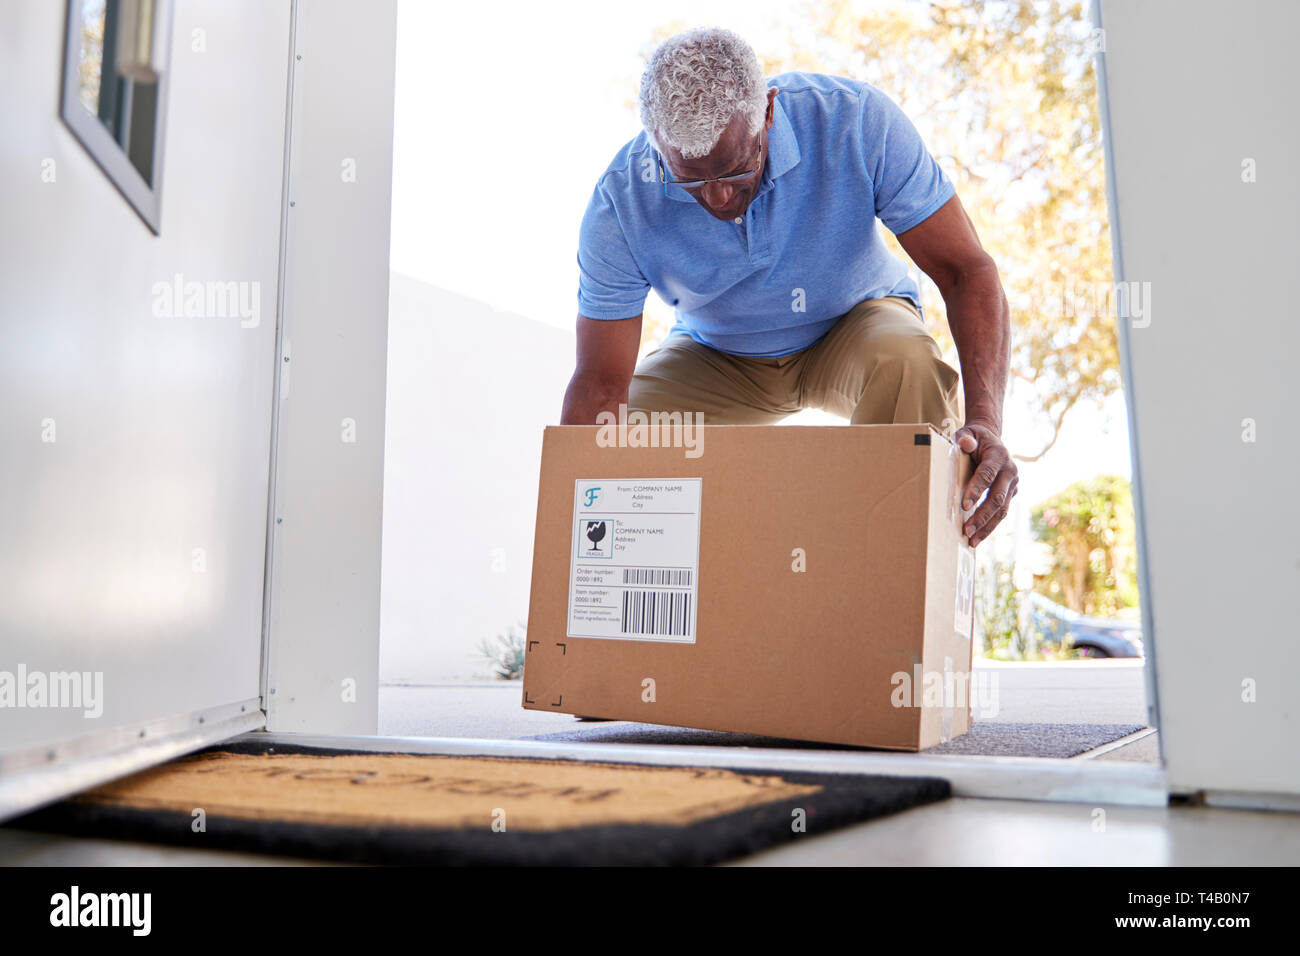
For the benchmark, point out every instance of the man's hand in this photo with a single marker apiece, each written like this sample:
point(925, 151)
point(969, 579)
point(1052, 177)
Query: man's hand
point(994, 472)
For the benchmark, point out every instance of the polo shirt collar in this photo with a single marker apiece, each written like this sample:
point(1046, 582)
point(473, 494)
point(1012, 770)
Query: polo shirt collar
point(782, 154)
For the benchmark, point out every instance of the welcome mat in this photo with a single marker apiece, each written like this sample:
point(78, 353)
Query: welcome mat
point(984, 739)
point(392, 808)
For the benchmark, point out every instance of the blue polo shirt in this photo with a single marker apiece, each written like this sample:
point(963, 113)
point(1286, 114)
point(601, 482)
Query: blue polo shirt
point(842, 155)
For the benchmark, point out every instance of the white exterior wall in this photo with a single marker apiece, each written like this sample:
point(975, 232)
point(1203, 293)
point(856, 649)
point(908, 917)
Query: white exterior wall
point(470, 389)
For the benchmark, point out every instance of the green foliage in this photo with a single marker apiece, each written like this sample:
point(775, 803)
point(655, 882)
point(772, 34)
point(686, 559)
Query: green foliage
point(998, 612)
point(1089, 528)
point(1004, 622)
point(506, 652)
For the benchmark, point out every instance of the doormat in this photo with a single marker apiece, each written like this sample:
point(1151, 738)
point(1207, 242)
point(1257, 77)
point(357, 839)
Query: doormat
point(393, 808)
point(984, 739)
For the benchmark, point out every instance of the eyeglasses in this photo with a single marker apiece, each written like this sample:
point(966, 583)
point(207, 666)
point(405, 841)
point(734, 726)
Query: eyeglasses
point(697, 183)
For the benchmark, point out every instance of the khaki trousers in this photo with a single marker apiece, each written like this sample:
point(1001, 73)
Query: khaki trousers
point(878, 365)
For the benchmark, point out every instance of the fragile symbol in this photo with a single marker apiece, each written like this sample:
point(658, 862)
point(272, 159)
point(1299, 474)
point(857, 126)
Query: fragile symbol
point(595, 532)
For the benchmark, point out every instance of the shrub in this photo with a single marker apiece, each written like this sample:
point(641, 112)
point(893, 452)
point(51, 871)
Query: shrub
point(1089, 528)
point(506, 652)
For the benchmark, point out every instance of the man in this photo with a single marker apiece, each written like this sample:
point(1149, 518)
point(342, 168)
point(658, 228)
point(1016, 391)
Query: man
point(751, 207)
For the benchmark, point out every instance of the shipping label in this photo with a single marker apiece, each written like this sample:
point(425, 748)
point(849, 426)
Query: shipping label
point(635, 559)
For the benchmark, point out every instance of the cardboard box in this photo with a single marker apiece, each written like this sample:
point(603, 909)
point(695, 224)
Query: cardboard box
point(801, 582)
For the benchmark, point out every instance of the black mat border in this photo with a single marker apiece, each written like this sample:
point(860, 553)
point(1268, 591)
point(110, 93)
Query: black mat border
point(845, 799)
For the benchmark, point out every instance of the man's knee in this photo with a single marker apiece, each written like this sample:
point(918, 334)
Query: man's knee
point(911, 360)
point(903, 349)
point(907, 377)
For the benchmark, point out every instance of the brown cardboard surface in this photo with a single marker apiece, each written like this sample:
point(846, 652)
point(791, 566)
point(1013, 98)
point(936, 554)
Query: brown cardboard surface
point(947, 649)
point(808, 655)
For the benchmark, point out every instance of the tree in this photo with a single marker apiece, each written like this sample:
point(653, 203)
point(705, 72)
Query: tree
point(1089, 527)
point(91, 62)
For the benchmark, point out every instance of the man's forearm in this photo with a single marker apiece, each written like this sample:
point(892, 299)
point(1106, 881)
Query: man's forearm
point(585, 399)
point(980, 320)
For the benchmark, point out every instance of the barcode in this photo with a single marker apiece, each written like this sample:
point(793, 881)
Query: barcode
point(657, 612)
point(664, 577)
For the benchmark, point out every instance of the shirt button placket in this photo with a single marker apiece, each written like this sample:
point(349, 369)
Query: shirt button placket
point(756, 240)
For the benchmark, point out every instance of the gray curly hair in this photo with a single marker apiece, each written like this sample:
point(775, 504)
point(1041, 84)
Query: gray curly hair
point(694, 85)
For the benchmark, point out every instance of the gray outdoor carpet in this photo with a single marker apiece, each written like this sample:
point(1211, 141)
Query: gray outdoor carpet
point(985, 739)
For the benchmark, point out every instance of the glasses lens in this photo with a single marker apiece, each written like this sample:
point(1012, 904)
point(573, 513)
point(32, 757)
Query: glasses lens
point(697, 183)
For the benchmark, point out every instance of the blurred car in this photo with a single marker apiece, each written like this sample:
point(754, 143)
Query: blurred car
point(1091, 636)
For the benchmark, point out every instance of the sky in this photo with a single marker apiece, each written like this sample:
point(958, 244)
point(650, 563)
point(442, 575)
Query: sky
point(507, 113)
point(499, 141)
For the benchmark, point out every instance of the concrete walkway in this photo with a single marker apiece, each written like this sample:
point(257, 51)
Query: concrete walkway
point(1080, 692)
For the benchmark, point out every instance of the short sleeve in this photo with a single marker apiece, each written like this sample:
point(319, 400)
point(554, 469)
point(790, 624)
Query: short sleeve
point(610, 284)
point(909, 184)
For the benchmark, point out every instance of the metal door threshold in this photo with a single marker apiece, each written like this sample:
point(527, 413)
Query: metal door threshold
point(33, 778)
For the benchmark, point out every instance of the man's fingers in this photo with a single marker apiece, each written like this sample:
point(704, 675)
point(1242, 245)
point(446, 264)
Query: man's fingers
point(985, 472)
point(994, 520)
point(976, 522)
point(965, 440)
point(990, 514)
